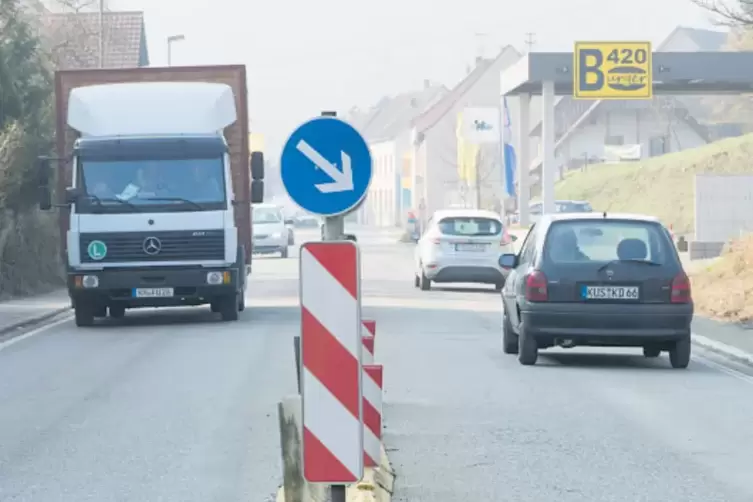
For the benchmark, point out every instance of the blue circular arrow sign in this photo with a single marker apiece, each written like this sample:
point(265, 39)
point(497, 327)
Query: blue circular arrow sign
point(326, 167)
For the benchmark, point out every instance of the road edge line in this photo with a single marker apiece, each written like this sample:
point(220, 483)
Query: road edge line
point(30, 322)
point(723, 349)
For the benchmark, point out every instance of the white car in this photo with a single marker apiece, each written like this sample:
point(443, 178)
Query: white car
point(462, 245)
point(270, 231)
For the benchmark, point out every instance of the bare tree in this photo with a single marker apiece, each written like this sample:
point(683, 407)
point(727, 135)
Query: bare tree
point(729, 12)
point(73, 33)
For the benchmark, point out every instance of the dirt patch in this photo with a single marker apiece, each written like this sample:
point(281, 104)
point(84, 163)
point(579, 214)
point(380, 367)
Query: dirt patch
point(723, 290)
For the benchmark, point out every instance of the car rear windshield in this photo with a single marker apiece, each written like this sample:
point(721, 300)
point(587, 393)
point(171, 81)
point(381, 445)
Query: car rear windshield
point(470, 226)
point(602, 240)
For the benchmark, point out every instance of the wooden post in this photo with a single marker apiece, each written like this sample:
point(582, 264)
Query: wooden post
point(291, 422)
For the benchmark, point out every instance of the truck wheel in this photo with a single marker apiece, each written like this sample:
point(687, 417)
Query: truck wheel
point(229, 308)
point(84, 314)
point(117, 311)
point(284, 252)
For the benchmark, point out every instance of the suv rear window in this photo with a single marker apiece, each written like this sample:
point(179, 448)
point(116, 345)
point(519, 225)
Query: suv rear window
point(470, 226)
point(601, 240)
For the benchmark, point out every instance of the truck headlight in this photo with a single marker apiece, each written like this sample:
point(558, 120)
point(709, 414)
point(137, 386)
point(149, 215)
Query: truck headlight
point(90, 281)
point(214, 278)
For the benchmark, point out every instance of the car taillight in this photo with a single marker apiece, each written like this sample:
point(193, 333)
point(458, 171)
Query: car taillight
point(505, 239)
point(536, 290)
point(681, 289)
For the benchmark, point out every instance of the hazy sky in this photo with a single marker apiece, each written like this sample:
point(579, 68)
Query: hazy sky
point(307, 56)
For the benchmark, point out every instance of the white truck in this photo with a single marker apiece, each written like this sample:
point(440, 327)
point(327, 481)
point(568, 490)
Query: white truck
point(152, 213)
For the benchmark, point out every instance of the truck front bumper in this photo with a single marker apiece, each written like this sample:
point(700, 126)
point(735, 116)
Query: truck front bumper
point(153, 287)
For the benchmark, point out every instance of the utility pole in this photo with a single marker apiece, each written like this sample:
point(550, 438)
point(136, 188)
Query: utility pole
point(101, 33)
point(530, 41)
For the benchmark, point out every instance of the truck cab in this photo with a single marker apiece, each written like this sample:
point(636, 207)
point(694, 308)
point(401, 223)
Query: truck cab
point(152, 201)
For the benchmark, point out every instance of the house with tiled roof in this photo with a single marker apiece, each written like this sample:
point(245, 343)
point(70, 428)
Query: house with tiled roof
point(592, 131)
point(74, 39)
point(436, 182)
point(386, 128)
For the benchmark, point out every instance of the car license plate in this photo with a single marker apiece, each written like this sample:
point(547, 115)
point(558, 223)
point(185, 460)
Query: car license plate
point(610, 292)
point(470, 247)
point(153, 292)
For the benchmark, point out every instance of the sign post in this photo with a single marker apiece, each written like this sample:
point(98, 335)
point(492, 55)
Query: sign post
point(326, 168)
point(612, 70)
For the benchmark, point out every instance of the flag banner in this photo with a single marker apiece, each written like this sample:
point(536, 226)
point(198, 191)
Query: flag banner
point(467, 153)
point(509, 152)
point(481, 125)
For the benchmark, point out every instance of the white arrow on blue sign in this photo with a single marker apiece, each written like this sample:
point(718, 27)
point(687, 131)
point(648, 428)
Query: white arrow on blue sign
point(326, 167)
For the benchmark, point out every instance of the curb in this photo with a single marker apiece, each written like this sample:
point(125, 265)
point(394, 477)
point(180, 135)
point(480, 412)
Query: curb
point(32, 321)
point(723, 349)
point(377, 485)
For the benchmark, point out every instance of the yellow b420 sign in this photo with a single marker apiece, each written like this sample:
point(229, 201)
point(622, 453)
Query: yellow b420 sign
point(612, 70)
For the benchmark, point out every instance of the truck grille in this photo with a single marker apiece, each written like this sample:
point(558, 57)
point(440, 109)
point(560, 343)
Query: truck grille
point(153, 246)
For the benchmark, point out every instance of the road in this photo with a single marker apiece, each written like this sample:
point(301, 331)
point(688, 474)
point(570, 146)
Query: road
point(173, 406)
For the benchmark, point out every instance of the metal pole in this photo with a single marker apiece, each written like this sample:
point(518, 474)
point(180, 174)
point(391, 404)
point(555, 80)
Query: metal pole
point(338, 493)
point(334, 226)
point(101, 33)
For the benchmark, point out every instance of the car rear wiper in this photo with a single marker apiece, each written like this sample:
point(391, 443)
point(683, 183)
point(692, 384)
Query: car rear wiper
point(100, 200)
point(631, 260)
point(175, 199)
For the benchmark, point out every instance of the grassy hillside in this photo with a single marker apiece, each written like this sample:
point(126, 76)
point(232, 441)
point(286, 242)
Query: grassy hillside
point(662, 186)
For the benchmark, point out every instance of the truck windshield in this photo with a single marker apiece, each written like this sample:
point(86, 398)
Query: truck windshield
point(171, 184)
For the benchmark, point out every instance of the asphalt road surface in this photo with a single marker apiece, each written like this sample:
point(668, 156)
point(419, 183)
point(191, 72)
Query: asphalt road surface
point(171, 405)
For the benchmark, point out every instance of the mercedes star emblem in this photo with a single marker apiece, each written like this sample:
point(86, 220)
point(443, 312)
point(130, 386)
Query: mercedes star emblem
point(610, 274)
point(152, 246)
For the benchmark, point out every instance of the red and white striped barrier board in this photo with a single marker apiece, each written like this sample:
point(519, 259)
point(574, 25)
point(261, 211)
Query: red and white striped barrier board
point(367, 354)
point(331, 349)
point(370, 326)
point(372, 414)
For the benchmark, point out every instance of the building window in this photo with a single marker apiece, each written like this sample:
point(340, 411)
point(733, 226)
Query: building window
point(614, 140)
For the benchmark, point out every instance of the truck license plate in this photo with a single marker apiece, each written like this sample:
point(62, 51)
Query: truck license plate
point(153, 292)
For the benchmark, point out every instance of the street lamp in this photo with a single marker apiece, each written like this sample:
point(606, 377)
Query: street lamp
point(170, 40)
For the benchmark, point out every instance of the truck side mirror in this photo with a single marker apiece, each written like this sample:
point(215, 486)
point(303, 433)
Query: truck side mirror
point(44, 193)
point(257, 192)
point(257, 166)
point(72, 195)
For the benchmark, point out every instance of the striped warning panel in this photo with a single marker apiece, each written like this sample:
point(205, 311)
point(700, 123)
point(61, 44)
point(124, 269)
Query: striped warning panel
point(331, 348)
point(372, 382)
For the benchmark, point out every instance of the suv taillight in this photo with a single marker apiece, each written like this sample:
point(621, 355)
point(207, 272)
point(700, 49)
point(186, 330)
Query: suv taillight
point(681, 289)
point(536, 290)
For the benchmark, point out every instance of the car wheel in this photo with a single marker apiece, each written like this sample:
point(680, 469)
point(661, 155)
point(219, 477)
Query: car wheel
point(100, 311)
point(424, 282)
point(509, 338)
point(284, 252)
point(679, 354)
point(117, 311)
point(651, 352)
point(241, 301)
point(499, 286)
point(416, 281)
point(528, 349)
point(215, 306)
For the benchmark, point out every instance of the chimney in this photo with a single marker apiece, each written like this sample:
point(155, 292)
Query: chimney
point(479, 59)
point(427, 83)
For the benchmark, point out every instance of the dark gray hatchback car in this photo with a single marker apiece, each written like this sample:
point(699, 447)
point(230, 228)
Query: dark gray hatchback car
point(597, 279)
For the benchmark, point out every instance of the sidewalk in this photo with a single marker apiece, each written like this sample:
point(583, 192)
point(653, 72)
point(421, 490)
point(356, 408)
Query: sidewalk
point(34, 309)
